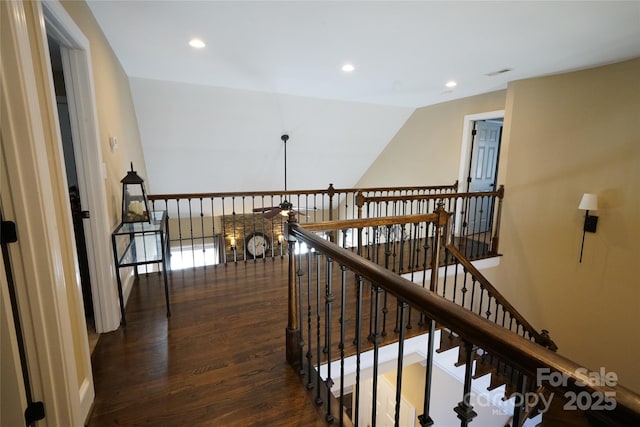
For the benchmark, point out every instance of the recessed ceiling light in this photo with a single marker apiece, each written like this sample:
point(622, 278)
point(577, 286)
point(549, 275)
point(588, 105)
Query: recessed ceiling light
point(347, 68)
point(196, 43)
point(451, 84)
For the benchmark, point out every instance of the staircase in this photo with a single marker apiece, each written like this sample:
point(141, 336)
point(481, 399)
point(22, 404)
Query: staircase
point(334, 294)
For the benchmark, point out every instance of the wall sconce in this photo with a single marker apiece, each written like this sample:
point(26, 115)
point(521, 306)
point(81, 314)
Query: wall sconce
point(588, 203)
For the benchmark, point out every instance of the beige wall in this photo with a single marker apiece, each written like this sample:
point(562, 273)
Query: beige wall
point(116, 114)
point(567, 135)
point(426, 150)
point(564, 135)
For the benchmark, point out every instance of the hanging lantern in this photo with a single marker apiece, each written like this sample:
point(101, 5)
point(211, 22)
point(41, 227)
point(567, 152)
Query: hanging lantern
point(135, 207)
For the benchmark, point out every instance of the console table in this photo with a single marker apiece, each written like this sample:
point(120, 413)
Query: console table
point(144, 243)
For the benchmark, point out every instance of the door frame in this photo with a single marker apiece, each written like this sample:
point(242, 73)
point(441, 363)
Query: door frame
point(78, 74)
point(29, 198)
point(465, 153)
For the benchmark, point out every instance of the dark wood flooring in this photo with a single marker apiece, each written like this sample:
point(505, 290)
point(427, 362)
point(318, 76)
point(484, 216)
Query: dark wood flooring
point(219, 360)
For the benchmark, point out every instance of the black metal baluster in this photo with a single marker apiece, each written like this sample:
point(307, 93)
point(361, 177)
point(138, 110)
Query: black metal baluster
point(403, 309)
point(481, 229)
point(346, 208)
point(318, 328)
point(401, 256)
point(419, 236)
point(376, 345)
point(424, 267)
point(425, 418)
point(193, 245)
point(486, 241)
point(224, 230)
point(477, 215)
point(372, 245)
point(214, 240)
point(179, 227)
point(166, 206)
point(371, 312)
point(343, 303)
point(464, 409)
point(481, 299)
point(328, 308)
point(446, 270)
point(413, 234)
point(455, 281)
point(473, 292)
point(204, 257)
point(488, 312)
point(520, 402)
point(299, 273)
point(464, 287)
point(385, 308)
point(309, 313)
point(358, 342)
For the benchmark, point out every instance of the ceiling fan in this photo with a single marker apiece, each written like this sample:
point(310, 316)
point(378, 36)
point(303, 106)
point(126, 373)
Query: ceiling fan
point(285, 207)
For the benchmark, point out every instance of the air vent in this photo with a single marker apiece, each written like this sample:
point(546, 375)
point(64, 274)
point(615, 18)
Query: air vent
point(495, 73)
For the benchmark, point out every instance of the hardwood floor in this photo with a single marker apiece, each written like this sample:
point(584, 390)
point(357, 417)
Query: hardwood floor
point(219, 360)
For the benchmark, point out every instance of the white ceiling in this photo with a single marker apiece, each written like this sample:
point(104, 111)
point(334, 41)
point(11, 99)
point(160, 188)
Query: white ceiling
point(404, 52)
point(211, 119)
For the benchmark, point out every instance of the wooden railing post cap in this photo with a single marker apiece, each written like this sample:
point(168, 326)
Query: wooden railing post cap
point(287, 225)
point(443, 215)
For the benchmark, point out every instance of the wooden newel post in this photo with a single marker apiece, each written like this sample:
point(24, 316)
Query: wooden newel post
point(443, 219)
point(496, 234)
point(293, 336)
point(359, 202)
point(332, 192)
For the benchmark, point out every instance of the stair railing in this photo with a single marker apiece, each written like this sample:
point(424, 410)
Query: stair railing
point(476, 215)
point(337, 304)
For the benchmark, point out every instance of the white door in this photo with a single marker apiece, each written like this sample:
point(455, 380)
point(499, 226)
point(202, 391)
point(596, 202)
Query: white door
point(483, 173)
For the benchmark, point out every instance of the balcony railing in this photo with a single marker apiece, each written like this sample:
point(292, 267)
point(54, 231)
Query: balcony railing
point(339, 305)
point(212, 228)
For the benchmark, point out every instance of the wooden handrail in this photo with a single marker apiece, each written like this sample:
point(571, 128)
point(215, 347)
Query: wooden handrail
point(525, 355)
point(414, 197)
point(233, 194)
point(330, 190)
point(453, 187)
point(370, 222)
point(540, 338)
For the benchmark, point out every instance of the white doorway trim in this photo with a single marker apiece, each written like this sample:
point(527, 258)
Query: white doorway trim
point(465, 152)
point(57, 363)
point(467, 139)
point(76, 61)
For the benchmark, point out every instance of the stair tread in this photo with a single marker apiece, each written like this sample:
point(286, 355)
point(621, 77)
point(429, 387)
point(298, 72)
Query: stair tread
point(448, 342)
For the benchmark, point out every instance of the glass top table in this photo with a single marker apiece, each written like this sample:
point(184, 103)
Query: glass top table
point(140, 243)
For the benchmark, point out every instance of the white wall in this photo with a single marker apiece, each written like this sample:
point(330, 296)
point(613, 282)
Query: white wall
point(207, 139)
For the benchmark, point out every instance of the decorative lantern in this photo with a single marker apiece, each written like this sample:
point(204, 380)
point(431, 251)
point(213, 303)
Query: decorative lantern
point(135, 207)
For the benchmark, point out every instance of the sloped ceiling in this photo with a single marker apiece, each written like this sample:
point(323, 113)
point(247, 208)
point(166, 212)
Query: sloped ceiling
point(276, 66)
